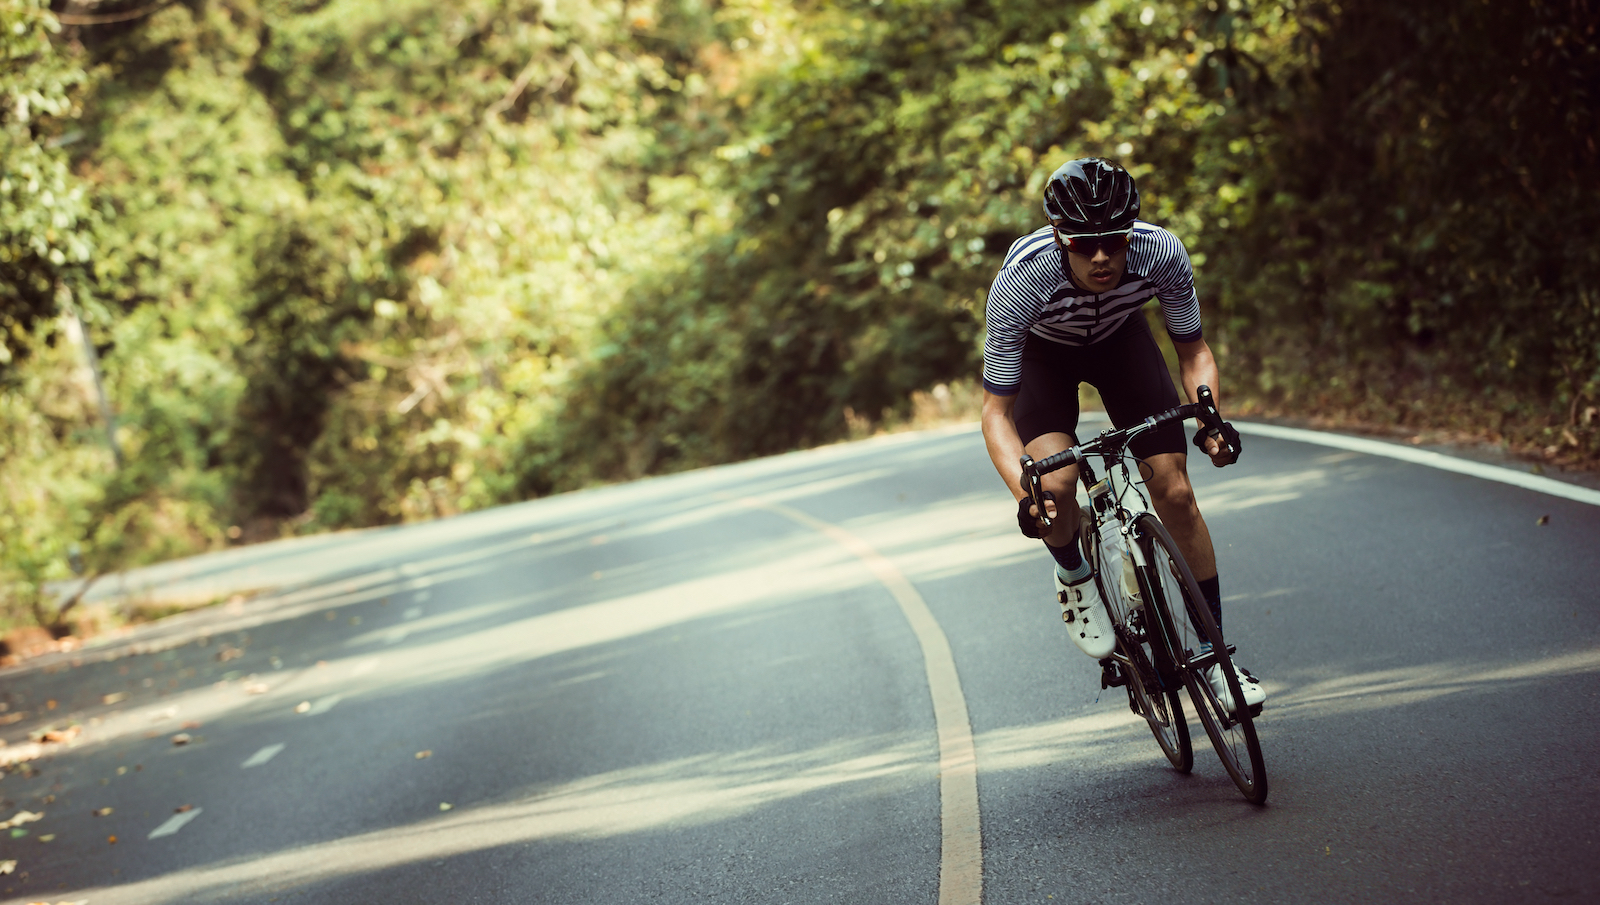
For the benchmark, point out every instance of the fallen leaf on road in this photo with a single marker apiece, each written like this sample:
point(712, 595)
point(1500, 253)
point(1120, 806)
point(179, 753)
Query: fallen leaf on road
point(191, 724)
point(256, 688)
point(445, 805)
point(57, 736)
point(7, 867)
point(21, 818)
point(423, 754)
point(113, 697)
point(182, 808)
point(1544, 519)
point(18, 833)
point(111, 839)
point(302, 707)
point(229, 653)
point(103, 812)
point(48, 837)
point(182, 738)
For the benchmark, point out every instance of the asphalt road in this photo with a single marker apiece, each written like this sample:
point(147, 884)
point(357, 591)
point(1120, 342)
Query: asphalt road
point(692, 690)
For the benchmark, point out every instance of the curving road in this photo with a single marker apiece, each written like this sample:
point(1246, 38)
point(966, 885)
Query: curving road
point(715, 687)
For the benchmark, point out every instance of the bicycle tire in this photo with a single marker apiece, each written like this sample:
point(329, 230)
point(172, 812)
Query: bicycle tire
point(1150, 694)
point(1169, 580)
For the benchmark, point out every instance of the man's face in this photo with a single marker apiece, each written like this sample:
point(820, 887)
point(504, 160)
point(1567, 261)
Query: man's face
point(1096, 273)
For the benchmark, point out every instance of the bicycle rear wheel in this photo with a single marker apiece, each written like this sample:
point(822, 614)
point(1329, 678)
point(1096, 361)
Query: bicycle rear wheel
point(1188, 622)
point(1152, 689)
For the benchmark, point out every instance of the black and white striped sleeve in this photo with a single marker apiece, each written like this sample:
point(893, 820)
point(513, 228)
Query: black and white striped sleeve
point(1170, 272)
point(1012, 309)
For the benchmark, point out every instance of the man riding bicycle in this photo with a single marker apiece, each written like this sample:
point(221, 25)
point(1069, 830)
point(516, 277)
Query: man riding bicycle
point(1066, 308)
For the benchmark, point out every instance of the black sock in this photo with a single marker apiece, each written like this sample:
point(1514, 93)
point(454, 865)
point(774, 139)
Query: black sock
point(1213, 594)
point(1069, 556)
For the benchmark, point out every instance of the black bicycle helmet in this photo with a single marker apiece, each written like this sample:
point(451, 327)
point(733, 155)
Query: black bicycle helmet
point(1090, 196)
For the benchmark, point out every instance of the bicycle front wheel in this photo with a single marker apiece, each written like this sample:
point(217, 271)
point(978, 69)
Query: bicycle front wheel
point(1152, 688)
point(1188, 624)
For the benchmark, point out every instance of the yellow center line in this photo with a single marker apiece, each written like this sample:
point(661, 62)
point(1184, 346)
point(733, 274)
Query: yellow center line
point(961, 845)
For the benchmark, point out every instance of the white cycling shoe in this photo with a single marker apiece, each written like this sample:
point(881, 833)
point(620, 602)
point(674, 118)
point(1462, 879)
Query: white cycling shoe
point(1085, 616)
point(1254, 694)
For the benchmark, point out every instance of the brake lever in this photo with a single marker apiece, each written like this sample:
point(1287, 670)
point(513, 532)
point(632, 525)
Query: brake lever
point(1212, 418)
point(1036, 490)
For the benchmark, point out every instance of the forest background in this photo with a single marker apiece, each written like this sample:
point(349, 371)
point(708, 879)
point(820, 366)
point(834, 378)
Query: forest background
point(341, 263)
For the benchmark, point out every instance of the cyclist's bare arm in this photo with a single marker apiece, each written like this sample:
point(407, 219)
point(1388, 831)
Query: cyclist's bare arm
point(1197, 367)
point(1004, 443)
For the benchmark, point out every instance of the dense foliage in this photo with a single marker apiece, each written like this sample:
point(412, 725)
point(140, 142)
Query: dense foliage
point(347, 263)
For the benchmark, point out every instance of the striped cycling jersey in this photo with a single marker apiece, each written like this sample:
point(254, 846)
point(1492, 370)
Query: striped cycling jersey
point(1032, 293)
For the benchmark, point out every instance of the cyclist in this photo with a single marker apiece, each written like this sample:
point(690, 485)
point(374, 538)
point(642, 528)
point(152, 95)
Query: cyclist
point(1066, 308)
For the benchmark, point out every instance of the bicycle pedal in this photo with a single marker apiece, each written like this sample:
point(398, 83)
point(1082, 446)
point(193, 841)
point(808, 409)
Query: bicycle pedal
point(1111, 676)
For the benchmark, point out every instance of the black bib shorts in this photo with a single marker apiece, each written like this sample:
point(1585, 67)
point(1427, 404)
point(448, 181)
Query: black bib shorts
point(1126, 367)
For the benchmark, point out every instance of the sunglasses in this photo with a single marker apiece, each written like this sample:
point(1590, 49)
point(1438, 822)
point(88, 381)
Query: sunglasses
point(1110, 243)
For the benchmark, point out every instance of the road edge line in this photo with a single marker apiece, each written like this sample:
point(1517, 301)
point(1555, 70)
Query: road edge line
point(961, 834)
point(1424, 457)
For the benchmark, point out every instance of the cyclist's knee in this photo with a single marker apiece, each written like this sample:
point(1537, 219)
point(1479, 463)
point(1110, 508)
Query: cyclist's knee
point(1061, 484)
point(1173, 497)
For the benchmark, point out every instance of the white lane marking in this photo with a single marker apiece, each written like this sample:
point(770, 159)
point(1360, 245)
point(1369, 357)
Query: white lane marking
point(174, 823)
point(411, 613)
point(323, 705)
point(262, 756)
point(961, 843)
point(1425, 457)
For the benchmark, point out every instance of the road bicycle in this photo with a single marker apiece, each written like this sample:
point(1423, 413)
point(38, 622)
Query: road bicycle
point(1166, 636)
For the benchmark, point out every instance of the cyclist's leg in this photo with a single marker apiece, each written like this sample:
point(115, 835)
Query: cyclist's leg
point(1046, 415)
point(1134, 382)
point(1167, 476)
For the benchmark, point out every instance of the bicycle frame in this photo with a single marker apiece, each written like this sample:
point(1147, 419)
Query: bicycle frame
point(1155, 633)
point(1106, 498)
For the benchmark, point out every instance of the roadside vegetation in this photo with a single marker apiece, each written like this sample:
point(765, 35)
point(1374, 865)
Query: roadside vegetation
point(286, 266)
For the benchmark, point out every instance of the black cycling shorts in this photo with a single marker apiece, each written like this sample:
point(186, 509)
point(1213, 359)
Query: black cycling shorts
point(1126, 367)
